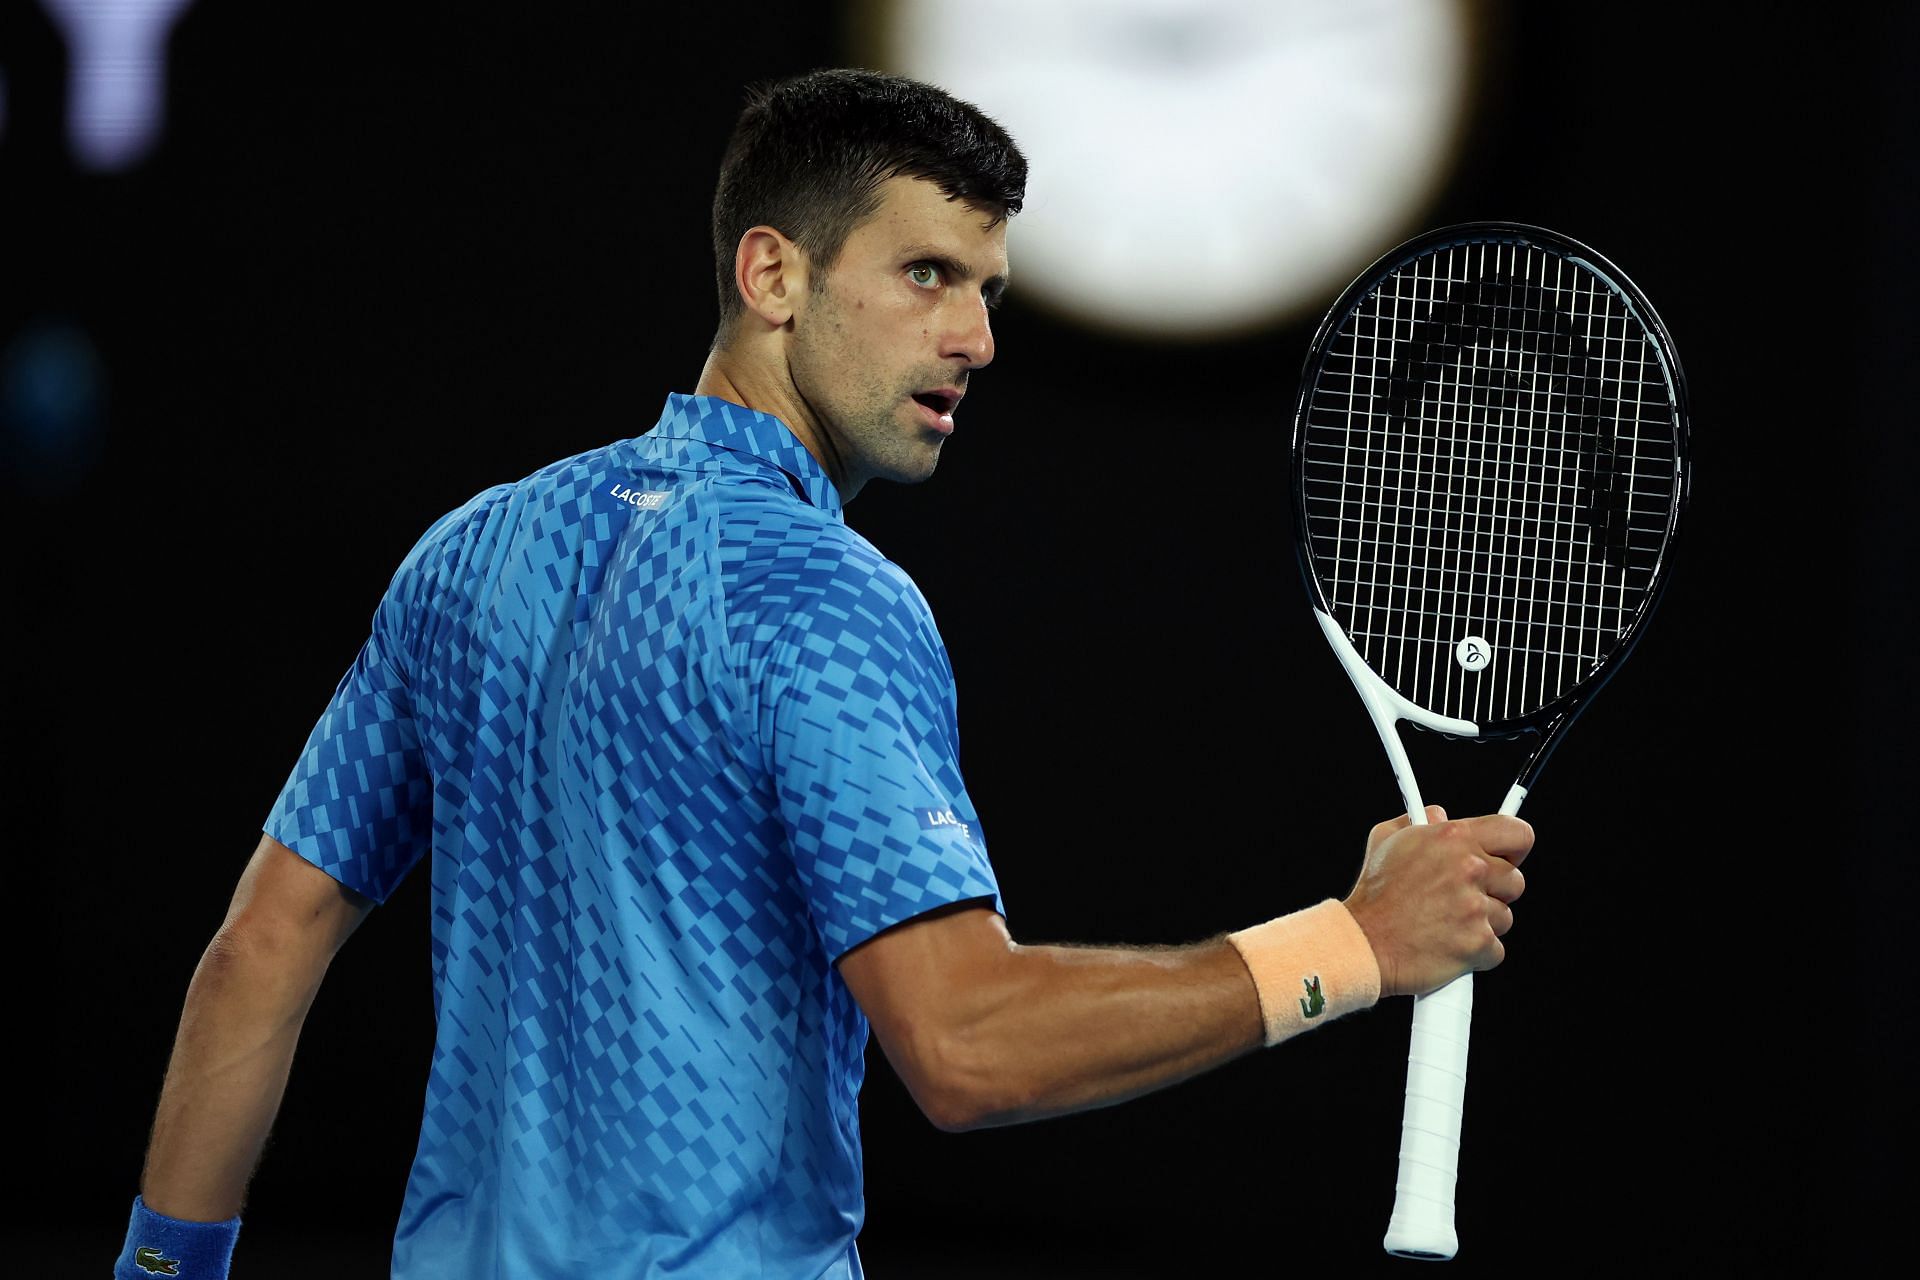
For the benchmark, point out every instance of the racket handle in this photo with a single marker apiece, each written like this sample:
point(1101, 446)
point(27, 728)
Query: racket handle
point(1422, 1222)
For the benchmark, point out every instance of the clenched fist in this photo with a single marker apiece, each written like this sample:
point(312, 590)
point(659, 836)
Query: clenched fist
point(1435, 900)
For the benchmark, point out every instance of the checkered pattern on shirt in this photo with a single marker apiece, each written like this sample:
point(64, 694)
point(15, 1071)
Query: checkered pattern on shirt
point(670, 764)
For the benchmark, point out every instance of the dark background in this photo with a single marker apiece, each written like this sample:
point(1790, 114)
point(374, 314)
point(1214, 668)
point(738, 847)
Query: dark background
point(389, 255)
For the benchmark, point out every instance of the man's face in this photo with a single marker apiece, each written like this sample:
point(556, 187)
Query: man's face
point(903, 313)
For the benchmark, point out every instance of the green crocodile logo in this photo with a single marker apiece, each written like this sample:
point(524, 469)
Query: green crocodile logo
point(148, 1259)
point(1312, 1006)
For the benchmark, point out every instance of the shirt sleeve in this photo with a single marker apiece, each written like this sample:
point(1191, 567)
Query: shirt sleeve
point(359, 802)
point(859, 723)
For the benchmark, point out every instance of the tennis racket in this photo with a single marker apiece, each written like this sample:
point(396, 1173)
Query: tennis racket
point(1489, 464)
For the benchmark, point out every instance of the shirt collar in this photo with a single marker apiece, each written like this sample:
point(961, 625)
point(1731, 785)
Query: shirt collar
point(761, 435)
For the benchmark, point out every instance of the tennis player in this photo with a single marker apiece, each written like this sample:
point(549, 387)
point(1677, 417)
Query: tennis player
point(682, 748)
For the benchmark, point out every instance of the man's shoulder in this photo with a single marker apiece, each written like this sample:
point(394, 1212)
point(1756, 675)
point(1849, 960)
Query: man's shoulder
point(799, 566)
point(541, 480)
point(495, 512)
point(607, 478)
point(451, 527)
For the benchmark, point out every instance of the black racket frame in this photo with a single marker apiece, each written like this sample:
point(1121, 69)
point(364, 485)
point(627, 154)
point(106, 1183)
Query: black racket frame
point(1551, 720)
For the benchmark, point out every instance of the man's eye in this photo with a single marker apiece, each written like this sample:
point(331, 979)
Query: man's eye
point(932, 274)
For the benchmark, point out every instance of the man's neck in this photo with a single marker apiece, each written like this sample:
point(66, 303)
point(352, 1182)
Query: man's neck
point(730, 380)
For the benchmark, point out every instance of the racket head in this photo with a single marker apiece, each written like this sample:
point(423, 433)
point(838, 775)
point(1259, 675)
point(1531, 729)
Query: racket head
point(1490, 446)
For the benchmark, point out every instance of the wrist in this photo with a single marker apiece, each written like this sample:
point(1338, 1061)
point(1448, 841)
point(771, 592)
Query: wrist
point(1309, 967)
point(1382, 955)
point(159, 1245)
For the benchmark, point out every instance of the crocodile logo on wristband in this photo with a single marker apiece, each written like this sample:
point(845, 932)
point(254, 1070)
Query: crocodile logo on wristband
point(1312, 1006)
point(148, 1259)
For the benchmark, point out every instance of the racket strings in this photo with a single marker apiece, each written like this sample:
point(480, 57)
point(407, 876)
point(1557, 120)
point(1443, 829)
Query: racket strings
point(1490, 470)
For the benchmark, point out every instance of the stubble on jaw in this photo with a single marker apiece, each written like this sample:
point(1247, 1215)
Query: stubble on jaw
point(862, 431)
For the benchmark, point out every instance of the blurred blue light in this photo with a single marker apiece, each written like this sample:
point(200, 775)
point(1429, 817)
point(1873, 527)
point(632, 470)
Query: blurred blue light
point(53, 398)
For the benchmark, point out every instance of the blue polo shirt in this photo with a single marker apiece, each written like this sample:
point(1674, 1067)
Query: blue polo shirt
point(676, 739)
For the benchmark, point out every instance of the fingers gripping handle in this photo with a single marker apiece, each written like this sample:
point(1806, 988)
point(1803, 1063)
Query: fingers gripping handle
point(1422, 1222)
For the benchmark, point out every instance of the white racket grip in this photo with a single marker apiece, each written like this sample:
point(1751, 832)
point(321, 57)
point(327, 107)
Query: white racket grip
point(1422, 1222)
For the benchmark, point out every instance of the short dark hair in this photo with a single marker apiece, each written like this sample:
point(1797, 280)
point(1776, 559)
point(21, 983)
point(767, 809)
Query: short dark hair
point(809, 155)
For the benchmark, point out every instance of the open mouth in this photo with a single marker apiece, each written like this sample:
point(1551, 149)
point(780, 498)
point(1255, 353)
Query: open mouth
point(938, 401)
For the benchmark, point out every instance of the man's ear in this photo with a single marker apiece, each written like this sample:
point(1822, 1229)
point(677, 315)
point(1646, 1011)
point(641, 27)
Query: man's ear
point(771, 273)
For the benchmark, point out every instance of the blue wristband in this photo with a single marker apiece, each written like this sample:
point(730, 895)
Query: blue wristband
point(161, 1246)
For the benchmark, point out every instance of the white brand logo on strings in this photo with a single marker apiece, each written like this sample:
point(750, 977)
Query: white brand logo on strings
point(1473, 653)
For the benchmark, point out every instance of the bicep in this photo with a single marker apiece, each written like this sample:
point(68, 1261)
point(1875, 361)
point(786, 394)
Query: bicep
point(287, 900)
point(922, 982)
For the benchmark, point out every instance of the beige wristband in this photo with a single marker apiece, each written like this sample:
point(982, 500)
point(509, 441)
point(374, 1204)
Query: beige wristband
point(1309, 967)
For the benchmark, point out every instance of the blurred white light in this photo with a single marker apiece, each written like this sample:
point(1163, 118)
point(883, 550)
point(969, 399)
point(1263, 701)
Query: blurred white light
point(117, 75)
point(1202, 166)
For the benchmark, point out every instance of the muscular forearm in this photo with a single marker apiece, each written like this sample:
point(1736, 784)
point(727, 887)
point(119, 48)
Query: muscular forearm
point(223, 1087)
point(1073, 1028)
